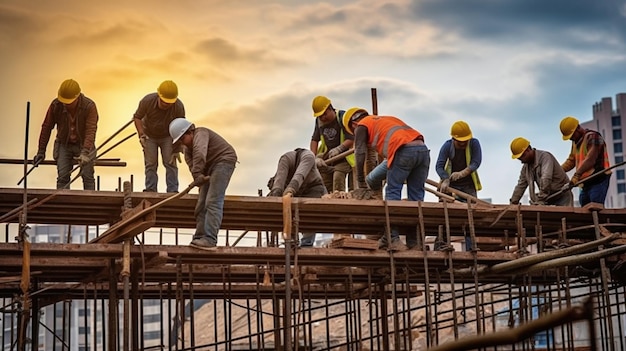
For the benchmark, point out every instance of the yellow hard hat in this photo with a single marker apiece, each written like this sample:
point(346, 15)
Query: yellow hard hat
point(320, 104)
point(168, 91)
point(352, 115)
point(518, 146)
point(568, 127)
point(461, 131)
point(68, 91)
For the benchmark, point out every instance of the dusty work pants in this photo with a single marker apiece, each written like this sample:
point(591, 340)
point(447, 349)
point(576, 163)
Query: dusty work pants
point(64, 154)
point(210, 206)
point(336, 180)
point(151, 161)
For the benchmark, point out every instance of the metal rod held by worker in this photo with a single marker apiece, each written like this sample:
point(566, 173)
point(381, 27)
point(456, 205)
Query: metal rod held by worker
point(552, 196)
point(460, 194)
point(97, 148)
point(339, 157)
point(97, 157)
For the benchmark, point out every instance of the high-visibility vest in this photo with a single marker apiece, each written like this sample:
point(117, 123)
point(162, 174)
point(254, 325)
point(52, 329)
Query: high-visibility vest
point(323, 148)
point(581, 154)
point(387, 134)
point(468, 160)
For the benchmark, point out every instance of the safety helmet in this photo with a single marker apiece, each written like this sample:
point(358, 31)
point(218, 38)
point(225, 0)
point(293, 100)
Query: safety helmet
point(568, 127)
point(461, 131)
point(168, 91)
point(518, 146)
point(178, 127)
point(353, 114)
point(320, 104)
point(68, 91)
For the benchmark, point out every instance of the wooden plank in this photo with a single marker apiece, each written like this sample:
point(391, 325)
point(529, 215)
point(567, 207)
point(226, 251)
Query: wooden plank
point(352, 243)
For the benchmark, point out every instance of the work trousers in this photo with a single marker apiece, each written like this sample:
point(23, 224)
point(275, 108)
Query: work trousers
point(210, 206)
point(151, 161)
point(64, 154)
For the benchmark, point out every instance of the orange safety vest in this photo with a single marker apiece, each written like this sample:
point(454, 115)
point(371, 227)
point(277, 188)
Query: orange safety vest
point(581, 154)
point(387, 134)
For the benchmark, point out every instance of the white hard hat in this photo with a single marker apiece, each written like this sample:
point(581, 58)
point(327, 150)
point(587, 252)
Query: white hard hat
point(178, 127)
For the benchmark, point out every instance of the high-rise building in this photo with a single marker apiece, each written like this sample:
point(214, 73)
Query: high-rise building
point(610, 123)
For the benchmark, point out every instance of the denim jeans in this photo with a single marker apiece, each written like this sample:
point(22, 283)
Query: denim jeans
point(64, 155)
point(594, 192)
point(210, 206)
point(151, 161)
point(410, 163)
point(375, 178)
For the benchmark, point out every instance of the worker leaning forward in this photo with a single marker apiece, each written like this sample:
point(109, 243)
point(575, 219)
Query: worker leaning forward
point(211, 160)
point(540, 168)
point(589, 156)
point(407, 156)
point(152, 119)
point(297, 175)
point(329, 140)
point(76, 119)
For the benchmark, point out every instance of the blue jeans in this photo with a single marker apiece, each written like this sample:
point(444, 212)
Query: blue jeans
point(375, 178)
point(594, 192)
point(151, 161)
point(410, 163)
point(64, 155)
point(210, 206)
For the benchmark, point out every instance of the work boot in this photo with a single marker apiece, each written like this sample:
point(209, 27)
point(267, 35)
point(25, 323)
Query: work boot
point(397, 245)
point(202, 243)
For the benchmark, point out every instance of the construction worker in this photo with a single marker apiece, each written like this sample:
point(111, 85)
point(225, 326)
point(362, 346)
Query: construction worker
point(76, 119)
point(457, 165)
point(407, 155)
point(297, 175)
point(329, 140)
point(152, 118)
point(589, 156)
point(540, 168)
point(206, 154)
point(458, 161)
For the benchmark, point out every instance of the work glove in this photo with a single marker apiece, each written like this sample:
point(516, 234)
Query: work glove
point(460, 174)
point(337, 150)
point(84, 158)
point(143, 140)
point(575, 179)
point(443, 185)
point(289, 191)
point(322, 166)
point(539, 202)
point(200, 180)
point(38, 158)
point(175, 157)
point(362, 185)
point(362, 194)
point(275, 192)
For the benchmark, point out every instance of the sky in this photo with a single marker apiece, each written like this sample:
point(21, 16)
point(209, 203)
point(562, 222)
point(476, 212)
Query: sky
point(249, 69)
